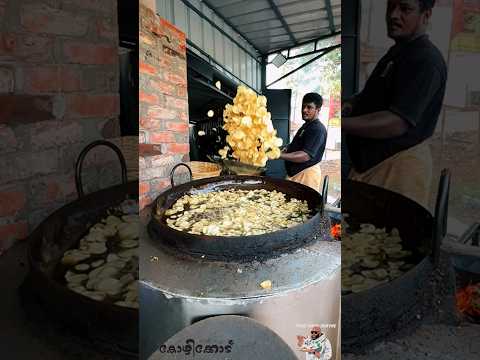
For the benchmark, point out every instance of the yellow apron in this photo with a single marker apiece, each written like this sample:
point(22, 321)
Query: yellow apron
point(408, 172)
point(311, 176)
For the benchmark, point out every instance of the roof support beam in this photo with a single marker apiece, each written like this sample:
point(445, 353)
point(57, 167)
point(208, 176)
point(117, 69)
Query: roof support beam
point(325, 52)
point(316, 51)
point(213, 62)
point(328, 5)
point(282, 20)
point(305, 42)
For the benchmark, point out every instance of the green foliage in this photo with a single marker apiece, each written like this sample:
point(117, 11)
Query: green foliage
point(322, 76)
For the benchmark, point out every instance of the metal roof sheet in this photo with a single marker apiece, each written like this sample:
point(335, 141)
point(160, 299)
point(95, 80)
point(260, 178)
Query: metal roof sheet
point(270, 25)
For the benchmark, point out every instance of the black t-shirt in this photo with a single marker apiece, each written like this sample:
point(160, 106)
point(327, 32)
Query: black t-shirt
point(410, 82)
point(311, 138)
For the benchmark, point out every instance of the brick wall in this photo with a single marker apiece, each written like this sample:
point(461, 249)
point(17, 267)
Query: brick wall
point(163, 122)
point(58, 91)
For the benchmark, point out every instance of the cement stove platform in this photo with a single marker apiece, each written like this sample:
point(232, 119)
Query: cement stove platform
point(184, 276)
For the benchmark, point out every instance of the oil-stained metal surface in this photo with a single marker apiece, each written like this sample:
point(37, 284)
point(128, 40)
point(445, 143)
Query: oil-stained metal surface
point(180, 275)
point(177, 290)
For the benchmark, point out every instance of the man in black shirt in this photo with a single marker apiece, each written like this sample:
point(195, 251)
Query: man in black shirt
point(303, 155)
point(388, 123)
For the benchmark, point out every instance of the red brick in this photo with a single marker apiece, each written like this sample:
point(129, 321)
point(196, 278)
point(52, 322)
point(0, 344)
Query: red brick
point(157, 112)
point(178, 148)
point(184, 116)
point(182, 92)
point(48, 134)
point(148, 98)
point(147, 123)
point(149, 150)
point(147, 68)
point(158, 186)
point(180, 80)
point(180, 104)
point(29, 48)
point(175, 31)
point(105, 28)
point(146, 39)
point(18, 166)
point(143, 188)
point(11, 202)
point(161, 137)
point(41, 18)
point(163, 161)
point(11, 232)
point(163, 87)
point(175, 52)
point(88, 54)
point(150, 123)
point(181, 138)
point(42, 79)
point(141, 137)
point(142, 163)
point(7, 79)
point(51, 189)
point(98, 6)
point(109, 128)
point(177, 126)
point(71, 79)
point(144, 201)
point(23, 109)
point(80, 106)
point(165, 63)
point(100, 79)
point(8, 141)
point(8, 45)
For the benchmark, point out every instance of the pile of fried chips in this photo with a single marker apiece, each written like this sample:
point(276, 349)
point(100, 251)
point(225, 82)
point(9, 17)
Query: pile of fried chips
point(251, 136)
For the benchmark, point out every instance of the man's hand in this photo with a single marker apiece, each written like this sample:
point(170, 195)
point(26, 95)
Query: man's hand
point(296, 156)
point(378, 125)
point(348, 105)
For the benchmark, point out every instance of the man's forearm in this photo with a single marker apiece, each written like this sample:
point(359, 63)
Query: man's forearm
point(349, 104)
point(296, 156)
point(378, 125)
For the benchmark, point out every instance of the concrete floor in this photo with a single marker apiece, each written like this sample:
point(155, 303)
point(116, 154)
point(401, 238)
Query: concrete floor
point(437, 333)
point(433, 342)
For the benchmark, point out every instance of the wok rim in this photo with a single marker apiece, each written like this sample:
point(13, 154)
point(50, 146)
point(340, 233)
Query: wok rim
point(236, 237)
point(215, 247)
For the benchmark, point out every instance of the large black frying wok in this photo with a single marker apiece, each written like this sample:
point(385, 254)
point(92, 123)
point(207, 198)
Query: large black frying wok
point(377, 312)
point(61, 231)
point(237, 247)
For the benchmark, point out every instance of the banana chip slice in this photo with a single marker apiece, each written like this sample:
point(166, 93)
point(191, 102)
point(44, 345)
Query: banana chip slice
point(237, 212)
point(251, 137)
point(372, 256)
point(104, 267)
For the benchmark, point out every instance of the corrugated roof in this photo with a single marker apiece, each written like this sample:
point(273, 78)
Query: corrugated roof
point(270, 25)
